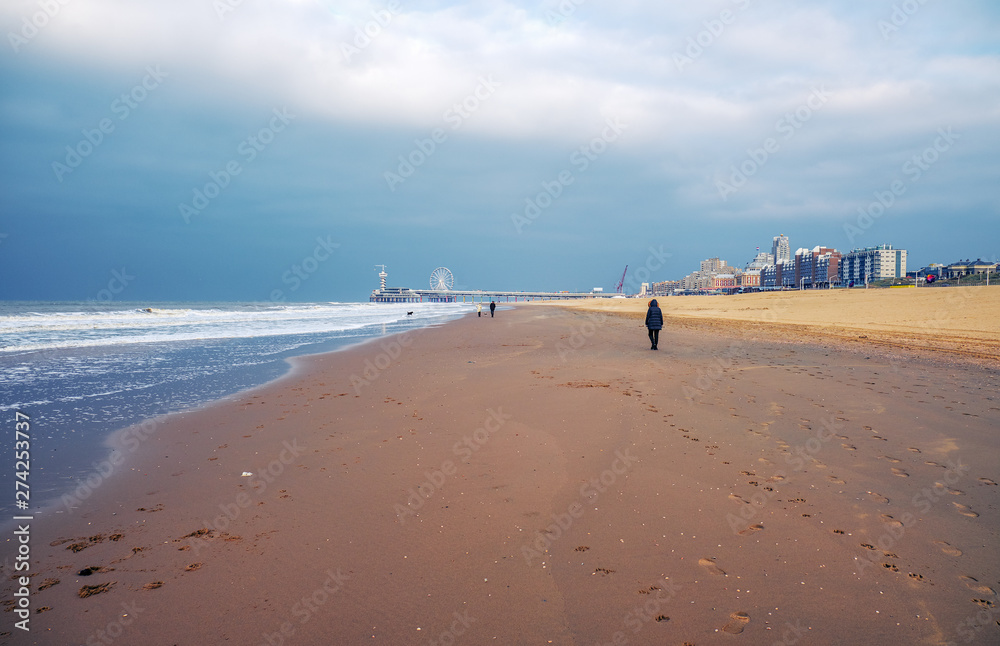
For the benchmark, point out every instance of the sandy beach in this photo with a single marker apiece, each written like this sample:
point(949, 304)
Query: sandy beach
point(962, 321)
point(543, 477)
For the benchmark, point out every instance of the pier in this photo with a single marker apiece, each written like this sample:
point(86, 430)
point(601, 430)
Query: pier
point(405, 295)
point(441, 291)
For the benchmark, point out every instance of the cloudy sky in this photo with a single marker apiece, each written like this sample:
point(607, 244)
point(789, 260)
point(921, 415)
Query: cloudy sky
point(254, 149)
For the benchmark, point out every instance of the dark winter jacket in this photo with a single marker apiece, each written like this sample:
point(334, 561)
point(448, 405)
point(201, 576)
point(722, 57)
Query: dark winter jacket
point(654, 317)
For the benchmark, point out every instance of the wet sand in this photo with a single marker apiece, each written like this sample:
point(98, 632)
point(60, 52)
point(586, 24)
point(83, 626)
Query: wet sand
point(544, 477)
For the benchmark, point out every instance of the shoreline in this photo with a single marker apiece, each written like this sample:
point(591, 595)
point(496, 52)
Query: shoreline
point(544, 477)
point(126, 439)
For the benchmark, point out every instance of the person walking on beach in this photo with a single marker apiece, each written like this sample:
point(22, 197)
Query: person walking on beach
point(493, 308)
point(654, 321)
point(479, 309)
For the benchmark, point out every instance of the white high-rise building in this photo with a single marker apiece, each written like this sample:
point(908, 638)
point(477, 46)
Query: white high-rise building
point(873, 263)
point(781, 249)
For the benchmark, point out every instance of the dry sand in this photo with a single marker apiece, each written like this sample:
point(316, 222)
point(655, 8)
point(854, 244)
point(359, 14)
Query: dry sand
point(958, 320)
point(544, 478)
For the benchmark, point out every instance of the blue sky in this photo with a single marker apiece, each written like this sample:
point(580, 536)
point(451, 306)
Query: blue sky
point(524, 145)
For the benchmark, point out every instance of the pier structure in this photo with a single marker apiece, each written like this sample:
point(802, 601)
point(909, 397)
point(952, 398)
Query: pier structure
point(442, 294)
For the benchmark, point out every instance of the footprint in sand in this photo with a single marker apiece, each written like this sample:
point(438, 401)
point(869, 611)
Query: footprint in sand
point(751, 529)
point(711, 567)
point(973, 584)
point(835, 480)
point(948, 548)
point(914, 449)
point(987, 481)
point(886, 518)
point(849, 447)
point(737, 622)
point(890, 459)
point(738, 498)
point(965, 510)
point(931, 463)
point(900, 473)
point(877, 497)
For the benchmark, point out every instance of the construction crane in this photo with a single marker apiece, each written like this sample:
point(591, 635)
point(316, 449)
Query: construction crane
point(618, 289)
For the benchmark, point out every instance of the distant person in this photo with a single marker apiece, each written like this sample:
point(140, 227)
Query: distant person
point(479, 309)
point(654, 321)
point(493, 308)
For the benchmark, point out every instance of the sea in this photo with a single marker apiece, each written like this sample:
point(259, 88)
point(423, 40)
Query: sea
point(73, 373)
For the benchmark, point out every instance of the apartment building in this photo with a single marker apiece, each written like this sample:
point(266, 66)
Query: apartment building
point(872, 263)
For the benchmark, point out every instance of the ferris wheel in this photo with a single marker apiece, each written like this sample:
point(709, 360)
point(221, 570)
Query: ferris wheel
point(442, 279)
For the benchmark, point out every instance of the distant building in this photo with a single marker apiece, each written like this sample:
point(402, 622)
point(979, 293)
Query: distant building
point(724, 281)
point(750, 278)
point(704, 277)
point(761, 260)
point(933, 269)
point(780, 248)
point(666, 287)
point(969, 268)
point(872, 263)
point(817, 267)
